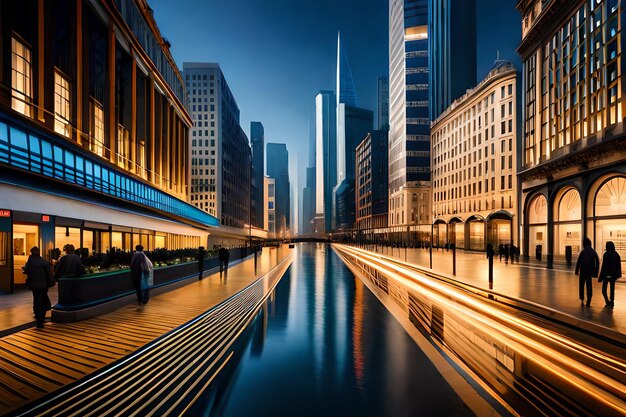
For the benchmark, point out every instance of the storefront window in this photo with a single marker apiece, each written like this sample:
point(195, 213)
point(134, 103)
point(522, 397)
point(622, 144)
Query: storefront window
point(537, 220)
point(66, 235)
point(611, 201)
point(25, 236)
point(568, 223)
point(116, 240)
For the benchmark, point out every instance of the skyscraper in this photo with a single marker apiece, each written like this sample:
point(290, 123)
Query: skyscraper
point(409, 140)
point(345, 92)
point(326, 160)
point(383, 103)
point(257, 139)
point(221, 157)
point(278, 168)
point(308, 193)
point(452, 59)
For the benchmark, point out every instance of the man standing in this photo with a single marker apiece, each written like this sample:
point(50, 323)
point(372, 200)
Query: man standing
point(138, 264)
point(610, 272)
point(70, 264)
point(201, 255)
point(223, 258)
point(587, 266)
point(39, 279)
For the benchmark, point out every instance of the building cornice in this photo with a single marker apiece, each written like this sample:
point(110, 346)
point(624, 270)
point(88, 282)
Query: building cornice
point(490, 80)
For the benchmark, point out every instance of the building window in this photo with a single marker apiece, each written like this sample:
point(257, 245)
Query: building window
point(96, 127)
point(61, 104)
point(123, 146)
point(21, 77)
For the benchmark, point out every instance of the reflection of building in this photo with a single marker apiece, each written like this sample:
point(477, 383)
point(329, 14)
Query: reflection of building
point(278, 169)
point(573, 173)
point(257, 141)
point(474, 164)
point(452, 60)
point(409, 141)
point(326, 160)
point(269, 212)
point(93, 133)
point(221, 160)
point(371, 183)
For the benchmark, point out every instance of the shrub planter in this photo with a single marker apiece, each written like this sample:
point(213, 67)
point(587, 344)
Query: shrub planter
point(96, 294)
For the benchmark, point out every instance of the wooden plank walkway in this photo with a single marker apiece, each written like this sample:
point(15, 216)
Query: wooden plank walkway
point(35, 362)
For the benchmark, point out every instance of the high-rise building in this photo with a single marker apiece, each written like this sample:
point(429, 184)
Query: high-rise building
point(409, 140)
point(94, 127)
point(452, 58)
point(474, 164)
point(326, 160)
point(573, 173)
point(345, 92)
point(221, 160)
point(352, 125)
point(371, 184)
point(308, 193)
point(383, 103)
point(257, 141)
point(269, 210)
point(278, 168)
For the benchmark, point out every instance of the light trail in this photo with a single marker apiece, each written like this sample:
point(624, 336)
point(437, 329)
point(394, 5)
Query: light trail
point(583, 373)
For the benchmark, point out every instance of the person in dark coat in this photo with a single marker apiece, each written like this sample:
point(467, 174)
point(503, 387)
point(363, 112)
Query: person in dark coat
point(39, 279)
point(69, 265)
point(610, 272)
point(501, 251)
point(506, 253)
point(201, 255)
point(587, 266)
point(137, 266)
point(223, 255)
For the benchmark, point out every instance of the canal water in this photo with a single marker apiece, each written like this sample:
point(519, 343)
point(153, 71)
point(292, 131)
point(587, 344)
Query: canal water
point(325, 346)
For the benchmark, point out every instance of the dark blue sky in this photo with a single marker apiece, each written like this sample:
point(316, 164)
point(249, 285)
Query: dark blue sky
point(276, 54)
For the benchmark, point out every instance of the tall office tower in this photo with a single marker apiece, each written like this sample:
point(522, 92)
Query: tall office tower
point(94, 134)
point(409, 140)
point(221, 158)
point(452, 59)
point(257, 139)
point(326, 160)
point(278, 168)
point(573, 173)
point(474, 186)
point(383, 103)
point(353, 124)
point(308, 193)
point(345, 92)
point(371, 184)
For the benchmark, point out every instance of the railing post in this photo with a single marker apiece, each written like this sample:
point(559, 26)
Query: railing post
point(453, 259)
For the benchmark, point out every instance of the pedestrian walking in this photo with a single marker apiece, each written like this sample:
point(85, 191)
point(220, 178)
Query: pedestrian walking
point(500, 251)
point(141, 271)
point(506, 253)
point(201, 255)
point(39, 279)
point(512, 252)
point(70, 264)
point(610, 272)
point(587, 266)
point(223, 255)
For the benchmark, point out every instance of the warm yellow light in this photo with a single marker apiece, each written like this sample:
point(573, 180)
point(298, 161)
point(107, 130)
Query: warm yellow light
point(416, 33)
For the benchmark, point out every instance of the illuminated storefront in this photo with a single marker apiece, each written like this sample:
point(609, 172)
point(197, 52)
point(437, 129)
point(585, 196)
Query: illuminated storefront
point(573, 167)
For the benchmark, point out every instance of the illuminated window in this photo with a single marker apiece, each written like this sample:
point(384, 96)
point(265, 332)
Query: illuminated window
point(123, 146)
point(61, 104)
point(96, 127)
point(21, 77)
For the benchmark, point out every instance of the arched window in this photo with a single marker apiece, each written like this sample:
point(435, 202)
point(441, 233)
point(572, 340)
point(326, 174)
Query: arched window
point(569, 206)
point(611, 198)
point(538, 210)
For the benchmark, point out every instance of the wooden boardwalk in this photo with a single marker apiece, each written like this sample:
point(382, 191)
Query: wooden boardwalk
point(35, 362)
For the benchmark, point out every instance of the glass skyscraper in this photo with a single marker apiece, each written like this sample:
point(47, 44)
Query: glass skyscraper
point(326, 159)
point(257, 139)
point(278, 168)
point(452, 59)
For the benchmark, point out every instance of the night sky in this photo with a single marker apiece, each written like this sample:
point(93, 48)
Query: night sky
point(276, 54)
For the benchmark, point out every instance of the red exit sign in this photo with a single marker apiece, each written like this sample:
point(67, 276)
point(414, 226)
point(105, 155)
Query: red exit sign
point(45, 218)
point(5, 213)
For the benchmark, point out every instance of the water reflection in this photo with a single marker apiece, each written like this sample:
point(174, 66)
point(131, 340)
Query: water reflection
point(325, 346)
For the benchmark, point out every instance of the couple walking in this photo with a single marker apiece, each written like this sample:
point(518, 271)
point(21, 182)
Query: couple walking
point(587, 266)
